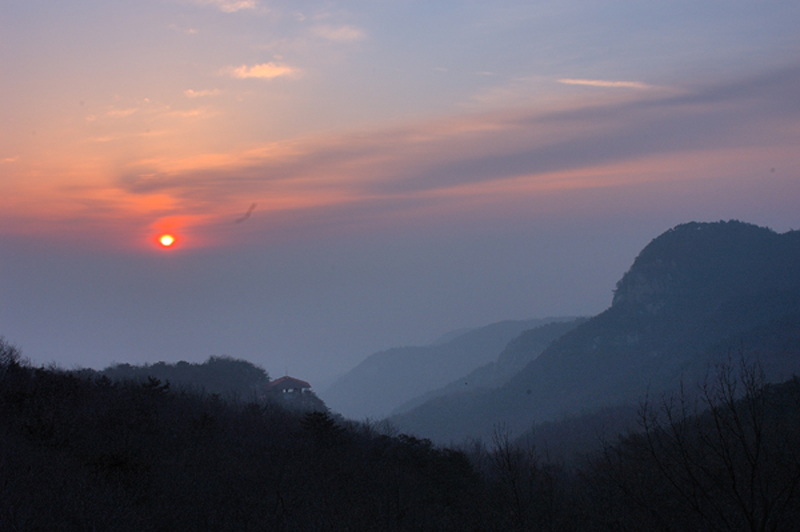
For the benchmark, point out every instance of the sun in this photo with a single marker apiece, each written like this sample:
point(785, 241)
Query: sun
point(166, 240)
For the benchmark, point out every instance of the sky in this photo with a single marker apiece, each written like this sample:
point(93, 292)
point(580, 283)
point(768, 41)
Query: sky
point(345, 177)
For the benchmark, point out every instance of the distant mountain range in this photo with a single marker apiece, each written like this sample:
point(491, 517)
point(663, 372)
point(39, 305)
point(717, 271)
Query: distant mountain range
point(516, 355)
point(388, 379)
point(698, 295)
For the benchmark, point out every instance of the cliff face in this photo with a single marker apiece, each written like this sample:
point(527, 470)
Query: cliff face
point(696, 295)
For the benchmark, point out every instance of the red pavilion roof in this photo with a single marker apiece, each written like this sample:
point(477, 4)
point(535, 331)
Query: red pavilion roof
point(287, 383)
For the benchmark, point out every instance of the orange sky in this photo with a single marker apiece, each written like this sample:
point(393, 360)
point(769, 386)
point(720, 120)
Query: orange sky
point(383, 126)
point(185, 112)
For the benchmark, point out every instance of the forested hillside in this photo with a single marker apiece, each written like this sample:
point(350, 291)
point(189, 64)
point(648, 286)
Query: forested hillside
point(86, 453)
point(219, 374)
point(89, 453)
point(696, 295)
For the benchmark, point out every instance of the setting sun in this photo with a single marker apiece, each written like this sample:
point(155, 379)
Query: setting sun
point(166, 240)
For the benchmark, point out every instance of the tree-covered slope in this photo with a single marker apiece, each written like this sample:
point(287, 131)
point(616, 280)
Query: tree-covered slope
point(83, 452)
point(222, 375)
point(695, 295)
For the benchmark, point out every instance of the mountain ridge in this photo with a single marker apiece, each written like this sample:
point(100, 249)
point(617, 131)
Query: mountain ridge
point(389, 378)
point(690, 299)
point(517, 353)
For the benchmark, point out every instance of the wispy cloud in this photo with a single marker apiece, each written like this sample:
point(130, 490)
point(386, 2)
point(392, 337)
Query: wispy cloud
point(122, 113)
point(494, 156)
point(228, 6)
point(9, 159)
point(264, 71)
point(606, 84)
point(189, 93)
point(339, 33)
point(193, 113)
point(188, 31)
point(501, 145)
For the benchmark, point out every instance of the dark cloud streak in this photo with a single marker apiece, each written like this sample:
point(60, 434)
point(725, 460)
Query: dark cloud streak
point(726, 116)
point(246, 215)
point(746, 112)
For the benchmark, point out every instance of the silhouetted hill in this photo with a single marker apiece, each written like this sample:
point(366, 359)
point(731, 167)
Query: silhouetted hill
point(230, 378)
point(82, 452)
point(516, 355)
point(222, 375)
point(389, 378)
point(694, 296)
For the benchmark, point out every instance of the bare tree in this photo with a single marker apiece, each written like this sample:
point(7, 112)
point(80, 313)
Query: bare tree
point(726, 458)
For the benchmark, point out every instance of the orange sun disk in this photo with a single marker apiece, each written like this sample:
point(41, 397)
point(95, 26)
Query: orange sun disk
point(166, 240)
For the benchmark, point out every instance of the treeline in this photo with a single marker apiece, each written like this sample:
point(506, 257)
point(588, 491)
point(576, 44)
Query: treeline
point(80, 453)
point(90, 453)
point(227, 376)
point(724, 459)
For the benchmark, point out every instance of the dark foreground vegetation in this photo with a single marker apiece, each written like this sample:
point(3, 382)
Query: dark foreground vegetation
point(83, 452)
point(226, 376)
